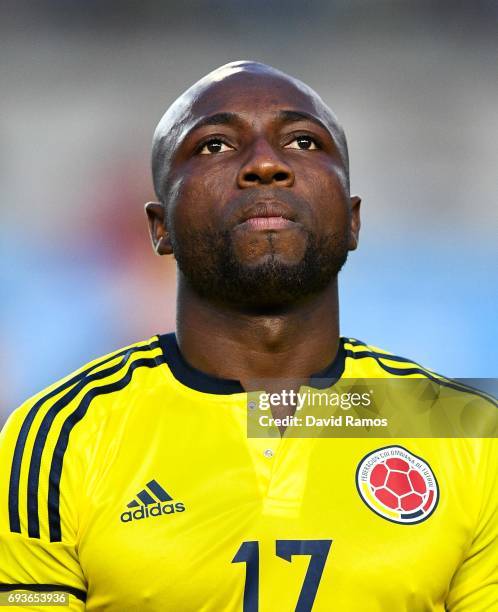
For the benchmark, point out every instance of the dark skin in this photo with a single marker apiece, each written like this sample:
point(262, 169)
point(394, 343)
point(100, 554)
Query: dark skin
point(256, 154)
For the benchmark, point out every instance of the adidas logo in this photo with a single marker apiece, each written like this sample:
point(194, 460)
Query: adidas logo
point(151, 503)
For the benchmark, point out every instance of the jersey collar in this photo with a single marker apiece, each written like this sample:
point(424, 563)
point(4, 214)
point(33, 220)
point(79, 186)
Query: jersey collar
point(200, 381)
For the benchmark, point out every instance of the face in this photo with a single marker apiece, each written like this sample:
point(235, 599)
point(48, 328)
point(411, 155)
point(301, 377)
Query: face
point(256, 201)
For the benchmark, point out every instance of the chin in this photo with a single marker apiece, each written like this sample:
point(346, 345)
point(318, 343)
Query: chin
point(277, 260)
point(270, 251)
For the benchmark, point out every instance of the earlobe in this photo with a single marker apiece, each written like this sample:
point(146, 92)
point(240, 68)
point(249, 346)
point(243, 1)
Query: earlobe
point(354, 234)
point(163, 245)
point(158, 231)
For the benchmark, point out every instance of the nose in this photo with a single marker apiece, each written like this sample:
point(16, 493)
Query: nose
point(265, 167)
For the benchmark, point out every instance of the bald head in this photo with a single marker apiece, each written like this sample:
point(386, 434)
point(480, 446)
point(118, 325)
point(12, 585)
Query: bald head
point(217, 93)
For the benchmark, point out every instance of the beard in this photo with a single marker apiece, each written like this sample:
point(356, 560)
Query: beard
point(209, 264)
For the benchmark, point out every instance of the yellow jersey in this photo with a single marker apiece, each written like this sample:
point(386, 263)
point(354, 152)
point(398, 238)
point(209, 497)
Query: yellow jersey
point(132, 485)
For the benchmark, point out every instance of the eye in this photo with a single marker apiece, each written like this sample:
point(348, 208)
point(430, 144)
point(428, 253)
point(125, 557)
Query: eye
point(306, 143)
point(215, 145)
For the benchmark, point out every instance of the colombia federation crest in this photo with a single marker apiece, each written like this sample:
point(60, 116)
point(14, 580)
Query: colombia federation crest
point(397, 485)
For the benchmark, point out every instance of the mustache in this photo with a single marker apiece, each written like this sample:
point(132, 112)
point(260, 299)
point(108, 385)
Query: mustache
point(237, 209)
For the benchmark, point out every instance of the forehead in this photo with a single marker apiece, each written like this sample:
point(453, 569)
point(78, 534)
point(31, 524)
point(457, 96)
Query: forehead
point(249, 93)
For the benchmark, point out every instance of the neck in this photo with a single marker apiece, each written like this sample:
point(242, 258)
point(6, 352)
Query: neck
point(291, 342)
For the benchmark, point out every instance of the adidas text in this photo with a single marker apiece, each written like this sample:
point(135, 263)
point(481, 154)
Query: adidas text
point(151, 510)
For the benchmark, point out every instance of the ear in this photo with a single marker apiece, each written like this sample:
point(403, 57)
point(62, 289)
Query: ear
point(156, 216)
point(354, 230)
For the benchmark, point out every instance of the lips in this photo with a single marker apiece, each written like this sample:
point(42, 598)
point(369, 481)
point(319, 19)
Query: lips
point(267, 215)
point(268, 223)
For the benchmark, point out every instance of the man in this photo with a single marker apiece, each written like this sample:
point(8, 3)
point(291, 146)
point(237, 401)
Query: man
point(132, 483)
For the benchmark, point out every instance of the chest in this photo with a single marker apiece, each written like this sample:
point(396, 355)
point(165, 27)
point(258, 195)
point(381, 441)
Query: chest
point(199, 521)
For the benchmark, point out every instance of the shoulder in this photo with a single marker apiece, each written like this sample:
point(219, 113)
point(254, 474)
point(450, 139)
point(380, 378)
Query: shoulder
point(382, 361)
point(34, 440)
point(458, 407)
point(96, 374)
point(100, 377)
point(371, 361)
point(63, 402)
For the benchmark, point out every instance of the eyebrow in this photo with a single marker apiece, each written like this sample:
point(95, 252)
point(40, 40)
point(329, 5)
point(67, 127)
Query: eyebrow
point(291, 115)
point(228, 118)
point(216, 119)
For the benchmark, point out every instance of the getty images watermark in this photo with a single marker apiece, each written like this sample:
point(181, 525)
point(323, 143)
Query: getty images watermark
point(290, 398)
point(372, 408)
